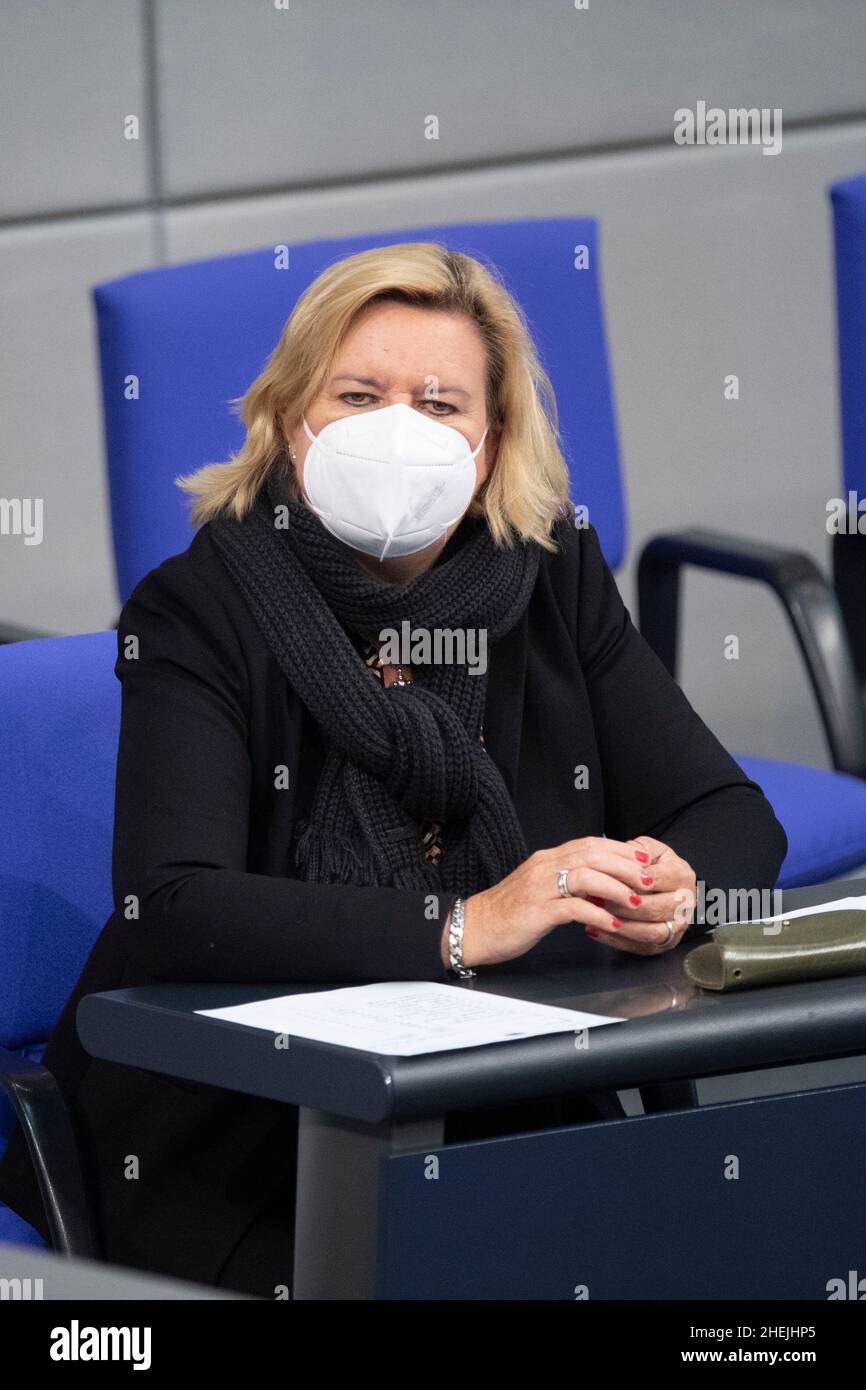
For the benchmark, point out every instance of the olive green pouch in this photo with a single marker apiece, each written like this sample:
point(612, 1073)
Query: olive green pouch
point(742, 954)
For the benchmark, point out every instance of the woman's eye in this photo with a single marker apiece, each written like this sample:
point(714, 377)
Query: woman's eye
point(441, 407)
point(352, 397)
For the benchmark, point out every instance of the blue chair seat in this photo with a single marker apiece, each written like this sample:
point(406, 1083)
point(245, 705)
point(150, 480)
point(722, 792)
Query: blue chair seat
point(15, 1231)
point(59, 721)
point(824, 815)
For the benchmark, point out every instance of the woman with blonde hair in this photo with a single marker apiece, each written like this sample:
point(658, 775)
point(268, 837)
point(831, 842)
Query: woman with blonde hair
point(386, 718)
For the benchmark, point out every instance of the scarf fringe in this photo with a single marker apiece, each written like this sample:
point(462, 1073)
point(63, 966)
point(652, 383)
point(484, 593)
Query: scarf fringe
point(326, 857)
point(330, 858)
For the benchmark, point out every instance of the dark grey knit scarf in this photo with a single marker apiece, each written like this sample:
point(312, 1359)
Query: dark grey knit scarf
point(400, 755)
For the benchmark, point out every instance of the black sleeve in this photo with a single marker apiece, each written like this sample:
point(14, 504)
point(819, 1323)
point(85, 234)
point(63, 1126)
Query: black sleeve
point(187, 906)
point(665, 773)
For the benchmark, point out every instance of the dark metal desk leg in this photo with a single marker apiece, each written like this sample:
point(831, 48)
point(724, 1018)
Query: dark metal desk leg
point(337, 1197)
point(669, 1095)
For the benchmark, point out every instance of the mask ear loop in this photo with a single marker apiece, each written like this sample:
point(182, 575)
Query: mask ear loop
point(312, 438)
point(290, 451)
point(477, 448)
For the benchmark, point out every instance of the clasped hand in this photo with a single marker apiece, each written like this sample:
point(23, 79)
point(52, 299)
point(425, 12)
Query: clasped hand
point(623, 892)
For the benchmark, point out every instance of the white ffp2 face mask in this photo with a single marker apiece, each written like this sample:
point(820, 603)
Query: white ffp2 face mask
point(390, 481)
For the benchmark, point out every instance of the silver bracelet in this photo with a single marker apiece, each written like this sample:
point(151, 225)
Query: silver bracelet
point(455, 941)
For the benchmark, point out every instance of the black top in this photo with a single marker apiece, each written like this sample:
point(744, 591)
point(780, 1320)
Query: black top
point(203, 834)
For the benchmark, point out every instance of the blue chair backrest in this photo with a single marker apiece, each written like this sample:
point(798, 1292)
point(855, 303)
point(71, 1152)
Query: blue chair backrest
point(848, 198)
point(59, 721)
point(196, 335)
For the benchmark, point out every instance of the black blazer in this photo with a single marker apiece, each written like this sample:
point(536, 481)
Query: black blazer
point(202, 838)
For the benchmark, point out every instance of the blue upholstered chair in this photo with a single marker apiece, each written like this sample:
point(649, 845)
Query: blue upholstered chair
point(848, 198)
point(59, 716)
point(194, 336)
point(178, 342)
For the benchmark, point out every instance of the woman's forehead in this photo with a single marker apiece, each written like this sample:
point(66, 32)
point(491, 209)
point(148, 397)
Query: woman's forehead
point(391, 341)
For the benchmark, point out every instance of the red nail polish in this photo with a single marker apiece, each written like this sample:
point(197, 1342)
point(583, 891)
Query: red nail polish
point(591, 931)
point(639, 854)
point(633, 898)
point(616, 922)
point(645, 878)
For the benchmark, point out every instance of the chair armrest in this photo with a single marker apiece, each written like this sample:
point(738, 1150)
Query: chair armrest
point(849, 582)
point(809, 602)
point(54, 1152)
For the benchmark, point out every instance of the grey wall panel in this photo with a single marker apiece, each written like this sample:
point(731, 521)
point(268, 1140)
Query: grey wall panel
point(714, 262)
point(71, 75)
point(52, 446)
point(255, 97)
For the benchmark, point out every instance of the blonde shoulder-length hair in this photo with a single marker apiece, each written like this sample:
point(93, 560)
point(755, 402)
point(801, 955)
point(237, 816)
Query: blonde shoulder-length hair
point(528, 487)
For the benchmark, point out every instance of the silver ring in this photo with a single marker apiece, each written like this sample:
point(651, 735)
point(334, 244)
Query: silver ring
point(672, 931)
point(563, 884)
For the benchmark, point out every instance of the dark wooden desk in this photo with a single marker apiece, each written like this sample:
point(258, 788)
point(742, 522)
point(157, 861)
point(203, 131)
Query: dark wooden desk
point(358, 1108)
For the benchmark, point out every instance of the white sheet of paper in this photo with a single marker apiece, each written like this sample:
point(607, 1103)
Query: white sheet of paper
point(838, 905)
point(406, 1019)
